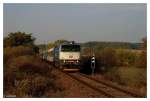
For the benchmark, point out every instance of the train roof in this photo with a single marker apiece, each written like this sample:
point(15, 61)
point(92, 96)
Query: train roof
point(67, 43)
point(70, 43)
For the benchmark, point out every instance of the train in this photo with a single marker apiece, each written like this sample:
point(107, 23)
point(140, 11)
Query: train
point(66, 56)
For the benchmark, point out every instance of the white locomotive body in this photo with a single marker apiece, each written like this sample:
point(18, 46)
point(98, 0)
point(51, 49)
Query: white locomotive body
point(67, 56)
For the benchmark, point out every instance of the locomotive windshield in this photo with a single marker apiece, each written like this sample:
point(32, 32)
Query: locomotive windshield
point(73, 48)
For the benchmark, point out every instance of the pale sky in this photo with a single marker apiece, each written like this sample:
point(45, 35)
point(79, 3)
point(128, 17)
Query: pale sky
point(78, 22)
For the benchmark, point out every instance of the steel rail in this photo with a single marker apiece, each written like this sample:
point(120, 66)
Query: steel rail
point(113, 86)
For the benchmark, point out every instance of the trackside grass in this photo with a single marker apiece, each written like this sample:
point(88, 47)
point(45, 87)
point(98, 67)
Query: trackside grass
point(128, 76)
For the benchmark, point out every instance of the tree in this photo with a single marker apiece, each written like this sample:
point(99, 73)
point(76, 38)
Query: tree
point(56, 43)
point(50, 45)
point(18, 38)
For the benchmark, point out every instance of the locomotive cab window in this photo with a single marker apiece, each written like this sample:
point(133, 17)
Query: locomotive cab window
point(73, 48)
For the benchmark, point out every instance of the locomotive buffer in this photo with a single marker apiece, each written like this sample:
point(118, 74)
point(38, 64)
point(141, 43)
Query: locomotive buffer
point(93, 64)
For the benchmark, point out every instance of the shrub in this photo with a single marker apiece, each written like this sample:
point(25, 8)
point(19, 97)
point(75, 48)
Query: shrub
point(122, 56)
point(25, 74)
point(11, 52)
point(39, 85)
point(28, 64)
point(22, 68)
point(35, 87)
point(108, 57)
point(104, 59)
point(24, 87)
point(126, 57)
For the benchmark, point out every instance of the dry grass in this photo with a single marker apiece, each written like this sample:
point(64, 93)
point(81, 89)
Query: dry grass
point(132, 77)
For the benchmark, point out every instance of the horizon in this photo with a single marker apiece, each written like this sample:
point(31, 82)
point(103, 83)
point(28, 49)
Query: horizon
point(99, 42)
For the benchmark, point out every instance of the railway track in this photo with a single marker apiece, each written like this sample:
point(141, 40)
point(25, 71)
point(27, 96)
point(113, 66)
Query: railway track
point(103, 87)
point(107, 89)
point(129, 91)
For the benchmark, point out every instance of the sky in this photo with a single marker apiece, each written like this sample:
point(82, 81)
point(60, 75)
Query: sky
point(78, 22)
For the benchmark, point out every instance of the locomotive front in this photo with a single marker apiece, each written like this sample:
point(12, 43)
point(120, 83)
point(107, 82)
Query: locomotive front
point(69, 56)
